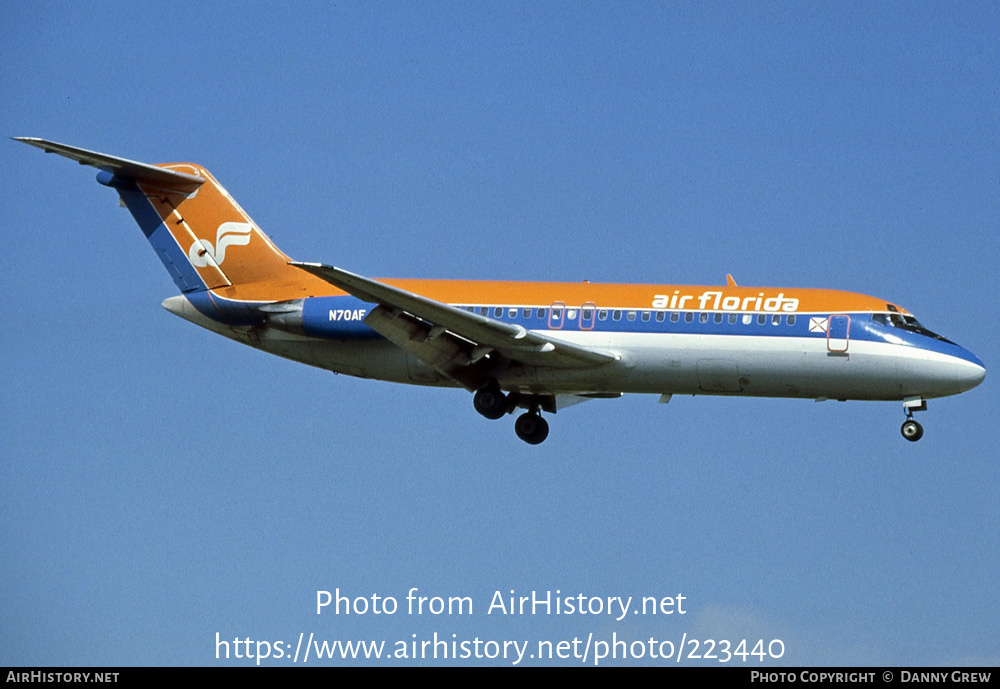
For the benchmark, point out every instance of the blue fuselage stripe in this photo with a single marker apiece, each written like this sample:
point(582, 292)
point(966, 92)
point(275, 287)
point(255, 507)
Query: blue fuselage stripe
point(339, 317)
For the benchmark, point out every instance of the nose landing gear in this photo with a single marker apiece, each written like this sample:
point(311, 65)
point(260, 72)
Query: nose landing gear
point(912, 430)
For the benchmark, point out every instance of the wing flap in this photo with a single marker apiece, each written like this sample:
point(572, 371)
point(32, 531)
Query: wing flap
point(445, 353)
point(511, 340)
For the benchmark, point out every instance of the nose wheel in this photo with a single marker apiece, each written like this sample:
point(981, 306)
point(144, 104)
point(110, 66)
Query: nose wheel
point(912, 430)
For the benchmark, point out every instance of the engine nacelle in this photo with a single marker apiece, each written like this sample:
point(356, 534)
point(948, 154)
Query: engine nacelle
point(326, 317)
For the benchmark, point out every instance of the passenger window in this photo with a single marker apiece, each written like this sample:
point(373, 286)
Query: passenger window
point(645, 316)
point(616, 315)
point(484, 311)
point(674, 316)
point(661, 316)
point(689, 317)
point(718, 318)
point(790, 319)
point(602, 315)
point(571, 314)
point(703, 317)
point(498, 312)
point(776, 319)
point(747, 319)
point(761, 319)
point(733, 318)
point(540, 313)
point(512, 312)
point(588, 314)
point(526, 313)
point(631, 315)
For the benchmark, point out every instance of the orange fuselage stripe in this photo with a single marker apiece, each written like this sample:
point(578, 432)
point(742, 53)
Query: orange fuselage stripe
point(575, 294)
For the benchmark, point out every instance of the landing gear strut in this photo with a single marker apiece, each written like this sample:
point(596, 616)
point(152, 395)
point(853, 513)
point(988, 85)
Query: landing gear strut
point(531, 428)
point(912, 430)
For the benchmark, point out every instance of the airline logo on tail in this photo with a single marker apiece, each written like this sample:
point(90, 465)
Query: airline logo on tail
point(229, 234)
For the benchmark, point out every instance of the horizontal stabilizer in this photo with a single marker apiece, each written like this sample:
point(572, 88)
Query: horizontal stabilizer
point(159, 177)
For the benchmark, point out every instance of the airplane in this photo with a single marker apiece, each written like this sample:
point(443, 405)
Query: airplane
point(537, 346)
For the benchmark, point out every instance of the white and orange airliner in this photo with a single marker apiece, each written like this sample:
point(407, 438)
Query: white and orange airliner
point(540, 346)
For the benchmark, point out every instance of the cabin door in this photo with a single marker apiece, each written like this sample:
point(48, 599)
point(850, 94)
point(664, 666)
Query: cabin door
point(838, 333)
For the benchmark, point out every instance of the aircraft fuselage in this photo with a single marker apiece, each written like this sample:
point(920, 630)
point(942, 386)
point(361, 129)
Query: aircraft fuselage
point(533, 345)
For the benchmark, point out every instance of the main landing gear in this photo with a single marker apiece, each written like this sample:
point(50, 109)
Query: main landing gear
point(491, 402)
point(531, 427)
point(912, 430)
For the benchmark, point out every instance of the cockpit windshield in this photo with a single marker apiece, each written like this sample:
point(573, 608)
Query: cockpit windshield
point(905, 322)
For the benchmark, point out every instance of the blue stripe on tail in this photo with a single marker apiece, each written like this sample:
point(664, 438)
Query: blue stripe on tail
point(174, 260)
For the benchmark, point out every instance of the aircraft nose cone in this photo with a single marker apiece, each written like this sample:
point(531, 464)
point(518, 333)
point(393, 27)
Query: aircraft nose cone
point(975, 377)
point(970, 372)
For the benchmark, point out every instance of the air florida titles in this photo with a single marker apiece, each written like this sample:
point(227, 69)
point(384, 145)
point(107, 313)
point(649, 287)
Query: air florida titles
point(555, 603)
point(716, 301)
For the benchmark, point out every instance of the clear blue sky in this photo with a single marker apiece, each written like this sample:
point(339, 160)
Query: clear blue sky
point(160, 484)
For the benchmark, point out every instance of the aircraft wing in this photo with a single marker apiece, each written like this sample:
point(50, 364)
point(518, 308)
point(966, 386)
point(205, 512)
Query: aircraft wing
point(159, 177)
point(485, 335)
